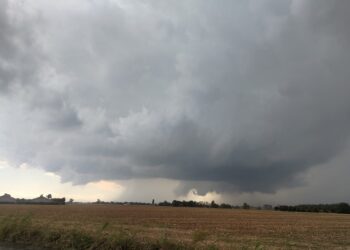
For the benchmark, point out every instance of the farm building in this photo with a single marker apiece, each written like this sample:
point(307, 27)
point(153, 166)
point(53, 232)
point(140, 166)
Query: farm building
point(8, 199)
point(41, 199)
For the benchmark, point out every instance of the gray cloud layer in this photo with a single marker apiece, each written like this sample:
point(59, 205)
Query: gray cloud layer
point(227, 95)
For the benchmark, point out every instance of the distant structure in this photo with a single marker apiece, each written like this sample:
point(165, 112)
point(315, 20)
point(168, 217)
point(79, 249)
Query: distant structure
point(41, 200)
point(7, 199)
point(268, 207)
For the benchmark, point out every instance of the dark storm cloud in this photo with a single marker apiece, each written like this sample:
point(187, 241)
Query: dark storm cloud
point(19, 57)
point(223, 96)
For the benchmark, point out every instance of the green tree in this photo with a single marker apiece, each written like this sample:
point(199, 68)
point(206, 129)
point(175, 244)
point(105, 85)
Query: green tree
point(245, 206)
point(214, 205)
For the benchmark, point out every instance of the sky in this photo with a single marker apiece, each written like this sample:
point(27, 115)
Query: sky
point(237, 101)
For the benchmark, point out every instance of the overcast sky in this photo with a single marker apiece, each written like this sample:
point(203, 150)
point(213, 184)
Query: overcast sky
point(133, 99)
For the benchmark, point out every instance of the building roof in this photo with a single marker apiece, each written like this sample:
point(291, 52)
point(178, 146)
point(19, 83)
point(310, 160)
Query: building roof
point(7, 198)
point(41, 199)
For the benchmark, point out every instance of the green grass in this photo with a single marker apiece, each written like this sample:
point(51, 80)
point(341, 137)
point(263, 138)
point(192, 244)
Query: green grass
point(199, 236)
point(21, 230)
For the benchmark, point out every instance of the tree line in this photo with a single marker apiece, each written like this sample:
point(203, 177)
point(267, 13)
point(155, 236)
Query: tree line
point(191, 203)
point(342, 208)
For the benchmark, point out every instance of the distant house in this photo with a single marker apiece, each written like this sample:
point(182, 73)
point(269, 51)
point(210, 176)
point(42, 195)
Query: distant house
point(58, 201)
point(7, 199)
point(267, 207)
point(41, 200)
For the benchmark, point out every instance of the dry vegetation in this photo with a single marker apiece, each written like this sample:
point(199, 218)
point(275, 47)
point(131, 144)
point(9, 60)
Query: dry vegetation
point(140, 227)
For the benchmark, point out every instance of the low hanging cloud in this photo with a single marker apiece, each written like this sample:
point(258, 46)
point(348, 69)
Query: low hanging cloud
point(223, 96)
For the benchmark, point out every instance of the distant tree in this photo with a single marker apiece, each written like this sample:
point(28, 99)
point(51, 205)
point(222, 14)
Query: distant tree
point(343, 208)
point(71, 200)
point(245, 206)
point(49, 196)
point(315, 208)
point(176, 203)
point(98, 201)
point(191, 204)
point(214, 205)
point(165, 203)
point(224, 205)
point(153, 202)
